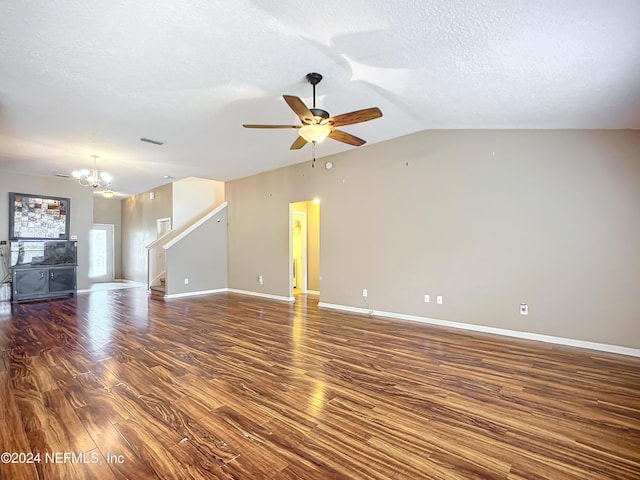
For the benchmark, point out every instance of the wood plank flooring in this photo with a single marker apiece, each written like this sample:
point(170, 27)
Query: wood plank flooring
point(236, 387)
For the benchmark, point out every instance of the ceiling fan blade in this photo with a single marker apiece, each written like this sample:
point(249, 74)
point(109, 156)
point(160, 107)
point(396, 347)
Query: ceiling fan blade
point(298, 144)
point(247, 125)
point(355, 117)
point(299, 108)
point(345, 137)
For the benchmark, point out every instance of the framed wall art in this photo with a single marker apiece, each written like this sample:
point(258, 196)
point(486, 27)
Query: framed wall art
point(38, 217)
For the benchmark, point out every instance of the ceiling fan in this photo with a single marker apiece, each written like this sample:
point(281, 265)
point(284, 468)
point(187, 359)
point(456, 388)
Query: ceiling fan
point(316, 122)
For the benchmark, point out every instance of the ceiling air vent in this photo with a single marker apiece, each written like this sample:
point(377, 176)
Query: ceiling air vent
point(148, 140)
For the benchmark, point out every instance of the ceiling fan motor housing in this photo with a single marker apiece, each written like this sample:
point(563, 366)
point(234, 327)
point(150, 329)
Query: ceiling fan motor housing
point(314, 78)
point(318, 112)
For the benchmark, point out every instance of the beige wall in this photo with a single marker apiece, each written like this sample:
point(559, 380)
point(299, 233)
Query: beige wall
point(139, 228)
point(200, 257)
point(193, 198)
point(488, 219)
point(109, 211)
point(183, 201)
point(313, 246)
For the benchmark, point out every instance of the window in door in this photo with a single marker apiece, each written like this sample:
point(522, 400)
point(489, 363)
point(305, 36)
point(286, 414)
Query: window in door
point(101, 253)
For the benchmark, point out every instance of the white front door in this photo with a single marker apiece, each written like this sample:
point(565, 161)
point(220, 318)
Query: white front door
point(101, 253)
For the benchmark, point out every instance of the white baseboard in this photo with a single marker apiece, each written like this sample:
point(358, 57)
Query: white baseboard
point(634, 352)
point(263, 295)
point(193, 294)
point(231, 290)
point(313, 292)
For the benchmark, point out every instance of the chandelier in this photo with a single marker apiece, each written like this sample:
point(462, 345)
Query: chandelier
point(92, 178)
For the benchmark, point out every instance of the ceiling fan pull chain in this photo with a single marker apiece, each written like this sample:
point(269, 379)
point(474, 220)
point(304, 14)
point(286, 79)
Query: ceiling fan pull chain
point(313, 153)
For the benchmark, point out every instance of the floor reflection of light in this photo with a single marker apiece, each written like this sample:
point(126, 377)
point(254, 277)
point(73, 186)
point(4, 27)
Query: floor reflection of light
point(317, 400)
point(100, 322)
point(296, 331)
point(5, 311)
point(317, 397)
point(139, 311)
point(297, 340)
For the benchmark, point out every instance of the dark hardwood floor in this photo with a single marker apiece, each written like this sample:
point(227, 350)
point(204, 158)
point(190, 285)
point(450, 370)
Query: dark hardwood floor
point(230, 386)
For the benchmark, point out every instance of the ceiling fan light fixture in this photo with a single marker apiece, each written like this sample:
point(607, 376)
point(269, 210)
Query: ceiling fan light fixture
point(314, 133)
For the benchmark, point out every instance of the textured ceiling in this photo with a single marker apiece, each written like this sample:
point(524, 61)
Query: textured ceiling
point(83, 77)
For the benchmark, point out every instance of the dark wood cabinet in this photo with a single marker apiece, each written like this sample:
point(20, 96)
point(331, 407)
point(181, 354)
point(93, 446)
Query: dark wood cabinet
point(43, 268)
point(31, 283)
point(62, 280)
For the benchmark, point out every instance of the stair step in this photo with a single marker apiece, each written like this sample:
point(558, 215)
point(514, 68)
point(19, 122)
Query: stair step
point(157, 290)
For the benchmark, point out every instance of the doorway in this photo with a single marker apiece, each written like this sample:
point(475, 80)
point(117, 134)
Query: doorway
point(101, 253)
point(163, 226)
point(304, 247)
point(299, 251)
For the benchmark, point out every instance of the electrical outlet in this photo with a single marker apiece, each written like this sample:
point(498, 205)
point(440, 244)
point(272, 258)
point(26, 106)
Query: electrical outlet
point(439, 299)
point(260, 279)
point(426, 299)
point(186, 281)
point(524, 309)
point(364, 292)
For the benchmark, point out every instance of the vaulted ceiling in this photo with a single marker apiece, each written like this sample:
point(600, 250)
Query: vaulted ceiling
point(87, 77)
